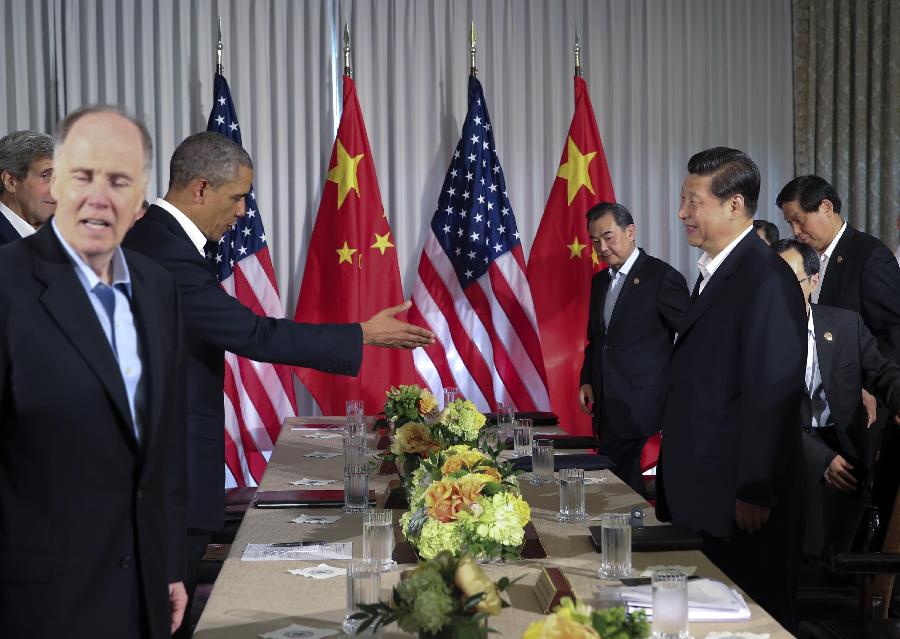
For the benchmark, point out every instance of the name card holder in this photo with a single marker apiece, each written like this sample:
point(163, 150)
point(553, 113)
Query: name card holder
point(552, 585)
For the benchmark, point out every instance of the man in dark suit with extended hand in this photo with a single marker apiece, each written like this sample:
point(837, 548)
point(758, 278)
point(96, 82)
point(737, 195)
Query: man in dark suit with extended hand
point(637, 305)
point(92, 465)
point(842, 358)
point(209, 179)
point(730, 442)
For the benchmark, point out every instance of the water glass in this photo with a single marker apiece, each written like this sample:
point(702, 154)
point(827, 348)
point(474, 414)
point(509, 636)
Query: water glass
point(355, 451)
point(505, 416)
point(363, 587)
point(451, 394)
point(356, 425)
point(378, 537)
point(615, 545)
point(542, 461)
point(670, 604)
point(522, 438)
point(355, 407)
point(356, 488)
point(571, 495)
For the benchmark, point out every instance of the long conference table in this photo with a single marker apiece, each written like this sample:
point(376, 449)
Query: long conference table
point(252, 598)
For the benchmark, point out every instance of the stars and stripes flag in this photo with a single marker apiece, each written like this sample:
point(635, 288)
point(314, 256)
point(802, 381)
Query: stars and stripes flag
point(258, 396)
point(562, 260)
point(471, 289)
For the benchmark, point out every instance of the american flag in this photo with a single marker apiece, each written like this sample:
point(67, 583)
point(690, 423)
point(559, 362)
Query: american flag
point(471, 289)
point(258, 396)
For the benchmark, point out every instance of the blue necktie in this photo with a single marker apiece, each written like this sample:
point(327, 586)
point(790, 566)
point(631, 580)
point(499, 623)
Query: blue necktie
point(107, 297)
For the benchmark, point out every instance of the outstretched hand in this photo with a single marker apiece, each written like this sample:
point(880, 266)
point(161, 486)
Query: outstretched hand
point(383, 329)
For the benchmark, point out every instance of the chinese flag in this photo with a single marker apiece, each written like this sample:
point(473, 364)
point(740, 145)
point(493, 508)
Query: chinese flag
point(562, 260)
point(351, 268)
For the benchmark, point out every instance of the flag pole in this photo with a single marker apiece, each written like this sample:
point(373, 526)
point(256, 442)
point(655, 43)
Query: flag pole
point(348, 71)
point(219, 68)
point(472, 49)
point(578, 71)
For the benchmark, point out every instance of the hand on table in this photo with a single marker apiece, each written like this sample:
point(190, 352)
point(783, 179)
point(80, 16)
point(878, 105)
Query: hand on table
point(750, 517)
point(178, 599)
point(586, 398)
point(839, 475)
point(383, 329)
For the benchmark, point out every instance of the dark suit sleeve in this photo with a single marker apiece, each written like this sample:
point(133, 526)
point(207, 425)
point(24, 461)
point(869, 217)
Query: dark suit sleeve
point(173, 419)
point(881, 376)
point(772, 359)
point(673, 301)
point(880, 300)
point(818, 455)
point(587, 365)
point(216, 317)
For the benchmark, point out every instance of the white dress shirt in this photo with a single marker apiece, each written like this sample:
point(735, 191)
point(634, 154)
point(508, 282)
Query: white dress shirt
point(615, 275)
point(821, 413)
point(193, 232)
point(897, 254)
point(22, 227)
point(823, 259)
point(708, 265)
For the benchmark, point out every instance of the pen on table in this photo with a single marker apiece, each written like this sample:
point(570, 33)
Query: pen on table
point(307, 542)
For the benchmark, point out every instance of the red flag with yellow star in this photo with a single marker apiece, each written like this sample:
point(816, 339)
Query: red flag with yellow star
point(562, 261)
point(351, 268)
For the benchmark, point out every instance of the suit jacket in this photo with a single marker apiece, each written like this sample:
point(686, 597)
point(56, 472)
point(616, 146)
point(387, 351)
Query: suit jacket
point(216, 322)
point(736, 380)
point(8, 232)
point(863, 276)
point(849, 360)
point(626, 362)
point(91, 521)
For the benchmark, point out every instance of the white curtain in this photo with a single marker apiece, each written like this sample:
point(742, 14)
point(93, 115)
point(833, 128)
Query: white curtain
point(667, 78)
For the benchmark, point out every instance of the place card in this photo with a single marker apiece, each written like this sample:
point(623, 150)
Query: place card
point(306, 481)
point(315, 519)
point(322, 571)
point(295, 631)
point(551, 586)
point(276, 552)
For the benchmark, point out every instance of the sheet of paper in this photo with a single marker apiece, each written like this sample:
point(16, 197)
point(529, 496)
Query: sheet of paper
point(322, 571)
point(306, 481)
point(273, 552)
point(315, 519)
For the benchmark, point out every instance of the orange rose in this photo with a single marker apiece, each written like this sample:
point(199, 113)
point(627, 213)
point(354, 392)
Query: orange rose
point(468, 490)
point(441, 501)
point(453, 464)
point(493, 473)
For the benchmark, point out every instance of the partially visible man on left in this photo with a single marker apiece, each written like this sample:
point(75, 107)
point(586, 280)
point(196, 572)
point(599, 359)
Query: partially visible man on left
point(26, 168)
point(92, 462)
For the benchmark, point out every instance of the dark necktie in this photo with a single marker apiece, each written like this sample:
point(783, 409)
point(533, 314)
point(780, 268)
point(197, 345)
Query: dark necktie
point(696, 292)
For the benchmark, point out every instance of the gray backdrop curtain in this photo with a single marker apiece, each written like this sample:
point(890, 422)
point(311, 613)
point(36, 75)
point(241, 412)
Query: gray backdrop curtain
point(847, 105)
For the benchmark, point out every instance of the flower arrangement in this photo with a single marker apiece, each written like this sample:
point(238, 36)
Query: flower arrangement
point(446, 596)
point(461, 498)
point(580, 621)
point(409, 404)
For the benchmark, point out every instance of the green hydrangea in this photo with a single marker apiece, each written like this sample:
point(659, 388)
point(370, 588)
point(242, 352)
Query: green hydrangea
point(419, 481)
point(498, 521)
point(436, 537)
point(428, 597)
point(462, 420)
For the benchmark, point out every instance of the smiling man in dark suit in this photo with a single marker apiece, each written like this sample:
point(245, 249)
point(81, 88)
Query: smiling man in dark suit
point(730, 442)
point(637, 305)
point(92, 466)
point(209, 179)
point(842, 358)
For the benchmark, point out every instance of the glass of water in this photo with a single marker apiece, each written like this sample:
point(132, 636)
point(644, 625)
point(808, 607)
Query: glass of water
point(363, 587)
point(522, 437)
point(571, 495)
point(378, 537)
point(451, 394)
point(542, 461)
point(505, 415)
point(670, 604)
point(355, 449)
point(615, 545)
point(356, 487)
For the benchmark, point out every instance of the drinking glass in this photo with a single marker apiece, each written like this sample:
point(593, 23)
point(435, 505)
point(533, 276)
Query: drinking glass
point(571, 495)
point(355, 451)
point(363, 587)
point(451, 394)
point(542, 461)
point(378, 537)
point(670, 604)
point(522, 437)
point(615, 545)
point(356, 418)
point(505, 415)
point(356, 488)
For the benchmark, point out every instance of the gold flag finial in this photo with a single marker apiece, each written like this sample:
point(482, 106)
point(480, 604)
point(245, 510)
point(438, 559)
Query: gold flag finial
point(348, 71)
point(578, 70)
point(472, 48)
point(219, 67)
